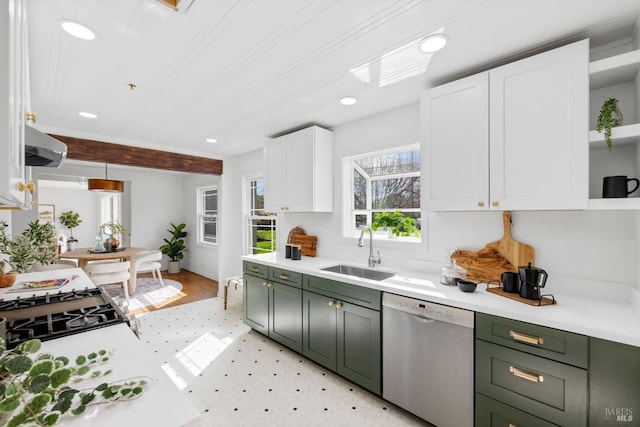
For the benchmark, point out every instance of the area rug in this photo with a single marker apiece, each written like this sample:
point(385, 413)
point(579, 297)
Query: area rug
point(148, 292)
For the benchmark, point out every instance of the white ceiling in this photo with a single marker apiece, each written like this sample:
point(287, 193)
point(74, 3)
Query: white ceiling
point(242, 71)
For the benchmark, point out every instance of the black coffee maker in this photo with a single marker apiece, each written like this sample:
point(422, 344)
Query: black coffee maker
point(531, 280)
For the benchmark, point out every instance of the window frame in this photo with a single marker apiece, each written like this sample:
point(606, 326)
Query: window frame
point(349, 212)
point(201, 192)
point(249, 217)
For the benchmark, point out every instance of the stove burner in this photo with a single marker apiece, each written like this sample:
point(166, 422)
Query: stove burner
point(59, 314)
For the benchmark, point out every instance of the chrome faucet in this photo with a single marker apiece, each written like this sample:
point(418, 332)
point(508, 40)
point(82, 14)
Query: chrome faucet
point(372, 258)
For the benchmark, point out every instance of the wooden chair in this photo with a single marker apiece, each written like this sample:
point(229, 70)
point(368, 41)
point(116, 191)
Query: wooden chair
point(148, 261)
point(110, 273)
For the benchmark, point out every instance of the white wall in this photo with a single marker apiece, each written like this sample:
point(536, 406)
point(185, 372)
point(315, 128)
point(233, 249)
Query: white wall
point(596, 246)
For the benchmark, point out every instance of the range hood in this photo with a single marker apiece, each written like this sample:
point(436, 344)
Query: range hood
point(42, 150)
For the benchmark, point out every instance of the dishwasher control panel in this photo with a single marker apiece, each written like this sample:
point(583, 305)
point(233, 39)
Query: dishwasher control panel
point(429, 310)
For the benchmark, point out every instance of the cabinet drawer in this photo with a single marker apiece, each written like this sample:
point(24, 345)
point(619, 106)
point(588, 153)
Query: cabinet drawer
point(565, 347)
point(290, 278)
point(491, 413)
point(255, 269)
point(553, 391)
point(370, 298)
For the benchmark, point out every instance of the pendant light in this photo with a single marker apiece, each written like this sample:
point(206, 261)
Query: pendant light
point(107, 185)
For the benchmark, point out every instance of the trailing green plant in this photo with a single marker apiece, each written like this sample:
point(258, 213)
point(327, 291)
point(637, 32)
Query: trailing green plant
point(608, 118)
point(174, 247)
point(35, 387)
point(34, 245)
point(71, 220)
point(396, 222)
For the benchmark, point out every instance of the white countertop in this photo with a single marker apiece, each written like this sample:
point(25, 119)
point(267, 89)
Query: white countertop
point(78, 280)
point(161, 405)
point(614, 314)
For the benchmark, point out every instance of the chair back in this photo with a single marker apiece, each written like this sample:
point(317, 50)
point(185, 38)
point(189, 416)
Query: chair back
point(108, 272)
point(147, 256)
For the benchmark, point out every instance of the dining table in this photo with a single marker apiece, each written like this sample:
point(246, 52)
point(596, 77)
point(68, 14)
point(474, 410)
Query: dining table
point(85, 255)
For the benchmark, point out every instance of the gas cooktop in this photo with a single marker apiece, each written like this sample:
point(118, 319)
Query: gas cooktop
point(58, 314)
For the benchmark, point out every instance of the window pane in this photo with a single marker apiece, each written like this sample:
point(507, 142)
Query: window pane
point(359, 191)
point(210, 200)
point(397, 163)
point(210, 229)
point(396, 193)
point(361, 221)
point(263, 235)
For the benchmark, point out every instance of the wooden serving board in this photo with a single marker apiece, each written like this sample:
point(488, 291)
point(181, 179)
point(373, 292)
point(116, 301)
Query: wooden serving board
point(488, 264)
point(545, 300)
point(309, 244)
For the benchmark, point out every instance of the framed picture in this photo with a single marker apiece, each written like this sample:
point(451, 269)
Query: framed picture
point(47, 214)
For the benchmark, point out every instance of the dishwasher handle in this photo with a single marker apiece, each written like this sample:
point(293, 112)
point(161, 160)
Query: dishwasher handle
point(423, 319)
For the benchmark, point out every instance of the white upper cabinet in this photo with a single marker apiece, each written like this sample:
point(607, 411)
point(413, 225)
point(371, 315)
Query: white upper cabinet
point(14, 191)
point(299, 172)
point(511, 138)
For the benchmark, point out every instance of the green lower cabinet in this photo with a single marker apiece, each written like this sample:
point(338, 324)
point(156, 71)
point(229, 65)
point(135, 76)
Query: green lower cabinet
point(285, 315)
point(255, 303)
point(491, 413)
point(344, 338)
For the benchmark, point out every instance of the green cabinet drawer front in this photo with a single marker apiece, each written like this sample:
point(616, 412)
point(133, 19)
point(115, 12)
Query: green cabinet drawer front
point(285, 315)
point(365, 297)
point(319, 329)
point(553, 391)
point(359, 343)
point(491, 413)
point(255, 269)
point(287, 277)
point(255, 303)
point(565, 347)
point(614, 384)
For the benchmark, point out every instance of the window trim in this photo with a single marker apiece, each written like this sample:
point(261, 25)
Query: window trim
point(347, 196)
point(246, 207)
point(199, 215)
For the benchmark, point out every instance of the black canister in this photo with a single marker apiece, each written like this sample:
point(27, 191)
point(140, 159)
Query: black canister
point(510, 282)
point(296, 252)
point(287, 251)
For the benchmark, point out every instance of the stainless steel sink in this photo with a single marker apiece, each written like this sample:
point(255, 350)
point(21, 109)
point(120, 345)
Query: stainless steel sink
point(365, 273)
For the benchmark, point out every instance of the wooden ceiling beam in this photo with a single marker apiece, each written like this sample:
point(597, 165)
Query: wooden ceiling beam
point(105, 152)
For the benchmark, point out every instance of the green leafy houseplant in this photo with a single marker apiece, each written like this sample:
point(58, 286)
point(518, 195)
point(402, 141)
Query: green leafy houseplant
point(609, 117)
point(396, 222)
point(35, 388)
point(115, 228)
point(36, 244)
point(174, 247)
point(71, 220)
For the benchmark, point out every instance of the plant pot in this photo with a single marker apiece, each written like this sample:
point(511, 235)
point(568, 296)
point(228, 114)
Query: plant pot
point(7, 280)
point(174, 267)
point(72, 245)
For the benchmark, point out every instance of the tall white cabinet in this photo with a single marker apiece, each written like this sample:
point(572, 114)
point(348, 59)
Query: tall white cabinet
point(299, 172)
point(511, 138)
point(15, 191)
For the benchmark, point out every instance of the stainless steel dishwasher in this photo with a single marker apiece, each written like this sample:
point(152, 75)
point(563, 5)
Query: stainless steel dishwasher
point(427, 359)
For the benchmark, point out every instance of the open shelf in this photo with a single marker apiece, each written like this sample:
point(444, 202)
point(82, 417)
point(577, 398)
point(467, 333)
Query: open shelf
point(632, 203)
point(615, 69)
point(621, 135)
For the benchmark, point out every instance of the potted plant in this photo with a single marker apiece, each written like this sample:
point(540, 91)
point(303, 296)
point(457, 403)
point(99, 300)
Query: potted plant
point(34, 245)
point(610, 116)
point(6, 277)
point(71, 220)
point(117, 233)
point(38, 388)
point(174, 247)
point(395, 223)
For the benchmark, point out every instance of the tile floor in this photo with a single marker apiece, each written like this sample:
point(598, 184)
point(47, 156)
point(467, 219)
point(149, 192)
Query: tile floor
point(235, 376)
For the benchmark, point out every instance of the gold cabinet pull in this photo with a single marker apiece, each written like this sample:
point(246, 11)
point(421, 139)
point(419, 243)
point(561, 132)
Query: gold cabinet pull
point(481, 203)
point(330, 303)
point(31, 186)
point(338, 305)
point(284, 276)
point(512, 425)
point(255, 269)
point(495, 203)
point(529, 376)
point(269, 284)
point(529, 339)
point(264, 283)
point(31, 117)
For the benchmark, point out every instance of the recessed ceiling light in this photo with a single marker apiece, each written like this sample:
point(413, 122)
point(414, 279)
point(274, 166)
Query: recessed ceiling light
point(78, 30)
point(88, 115)
point(348, 100)
point(211, 140)
point(433, 43)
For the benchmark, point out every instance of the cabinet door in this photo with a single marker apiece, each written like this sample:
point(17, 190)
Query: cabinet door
point(300, 171)
point(359, 345)
point(455, 145)
point(319, 329)
point(13, 84)
point(285, 315)
point(275, 179)
point(491, 413)
point(538, 131)
point(256, 303)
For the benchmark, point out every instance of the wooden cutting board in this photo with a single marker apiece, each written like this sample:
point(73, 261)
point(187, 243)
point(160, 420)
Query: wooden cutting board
point(489, 263)
point(309, 244)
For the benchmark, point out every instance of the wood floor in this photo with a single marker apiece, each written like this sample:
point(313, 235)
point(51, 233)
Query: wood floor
point(194, 288)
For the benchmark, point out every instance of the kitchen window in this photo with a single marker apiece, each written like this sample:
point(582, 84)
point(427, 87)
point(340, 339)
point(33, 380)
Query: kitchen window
point(261, 225)
point(384, 184)
point(208, 215)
